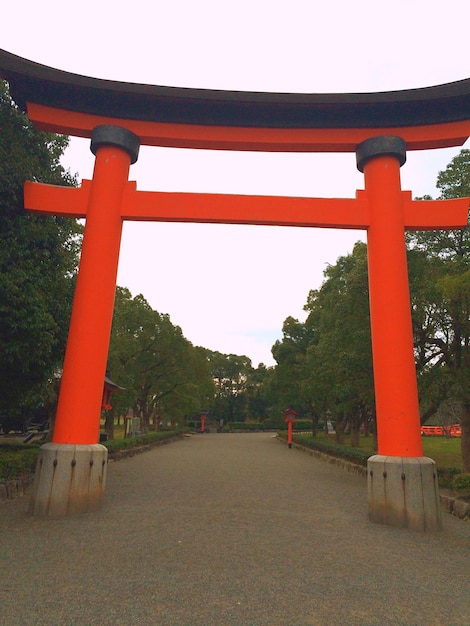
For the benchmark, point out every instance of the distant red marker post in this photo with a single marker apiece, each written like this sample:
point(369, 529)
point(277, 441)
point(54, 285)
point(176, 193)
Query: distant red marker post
point(291, 416)
point(203, 415)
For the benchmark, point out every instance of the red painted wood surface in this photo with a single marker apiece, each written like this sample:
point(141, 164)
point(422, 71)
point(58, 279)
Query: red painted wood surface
point(79, 406)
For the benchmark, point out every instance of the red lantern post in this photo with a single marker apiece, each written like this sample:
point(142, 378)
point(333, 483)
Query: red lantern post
point(203, 416)
point(290, 419)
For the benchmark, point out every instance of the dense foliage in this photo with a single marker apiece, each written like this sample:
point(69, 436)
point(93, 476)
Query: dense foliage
point(164, 376)
point(38, 260)
point(440, 290)
point(325, 364)
point(168, 380)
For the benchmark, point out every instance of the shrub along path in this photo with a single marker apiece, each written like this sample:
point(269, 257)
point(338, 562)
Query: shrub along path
point(232, 530)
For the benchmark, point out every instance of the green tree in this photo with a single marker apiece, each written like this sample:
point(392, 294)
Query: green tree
point(338, 366)
point(38, 261)
point(231, 374)
point(163, 375)
point(290, 382)
point(324, 365)
point(440, 290)
point(258, 401)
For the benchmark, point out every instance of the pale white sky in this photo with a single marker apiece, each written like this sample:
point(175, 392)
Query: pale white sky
point(231, 287)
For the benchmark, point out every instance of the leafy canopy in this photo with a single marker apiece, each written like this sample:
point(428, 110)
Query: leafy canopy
point(38, 261)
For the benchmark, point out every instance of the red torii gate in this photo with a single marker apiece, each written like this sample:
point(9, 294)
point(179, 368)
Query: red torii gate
point(402, 483)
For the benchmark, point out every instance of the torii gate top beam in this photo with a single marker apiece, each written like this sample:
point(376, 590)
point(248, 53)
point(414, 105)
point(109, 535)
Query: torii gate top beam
point(63, 102)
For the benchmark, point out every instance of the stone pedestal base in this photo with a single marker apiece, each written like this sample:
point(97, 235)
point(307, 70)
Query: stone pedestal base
point(69, 479)
point(403, 492)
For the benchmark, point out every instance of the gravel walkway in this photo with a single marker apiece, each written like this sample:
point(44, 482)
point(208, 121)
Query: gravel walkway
point(230, 530)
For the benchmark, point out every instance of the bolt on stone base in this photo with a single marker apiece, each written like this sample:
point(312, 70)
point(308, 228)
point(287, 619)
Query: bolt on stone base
point(404, 492)
point(69, 479)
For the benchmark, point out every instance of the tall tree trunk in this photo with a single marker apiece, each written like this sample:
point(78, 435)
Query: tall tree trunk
point(144, 423)
point(314, 427)
point(314, 416)
point(144, 411)
point(339, 430)
point(354, 437)
point(465, 442)
point(51, 405)
point(109, 423)
point(375, 445)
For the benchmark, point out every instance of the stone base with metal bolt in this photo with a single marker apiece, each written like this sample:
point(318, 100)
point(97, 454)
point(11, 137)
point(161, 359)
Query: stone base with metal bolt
point(69, 479)
point(403, 492)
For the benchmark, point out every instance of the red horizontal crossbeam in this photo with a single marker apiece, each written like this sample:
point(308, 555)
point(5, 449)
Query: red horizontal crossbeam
point(238, 209)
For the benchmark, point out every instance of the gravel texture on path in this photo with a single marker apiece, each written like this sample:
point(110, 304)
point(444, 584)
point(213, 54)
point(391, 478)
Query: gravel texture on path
point(229, 530)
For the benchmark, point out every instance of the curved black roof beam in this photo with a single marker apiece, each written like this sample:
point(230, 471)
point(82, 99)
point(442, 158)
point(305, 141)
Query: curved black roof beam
point(32, 82)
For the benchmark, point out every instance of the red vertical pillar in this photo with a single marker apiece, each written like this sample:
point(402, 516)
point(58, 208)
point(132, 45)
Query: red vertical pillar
point(79, 407)
point(289, 433)
point(396, 394)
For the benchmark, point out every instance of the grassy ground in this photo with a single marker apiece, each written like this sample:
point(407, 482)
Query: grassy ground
point(445, 452)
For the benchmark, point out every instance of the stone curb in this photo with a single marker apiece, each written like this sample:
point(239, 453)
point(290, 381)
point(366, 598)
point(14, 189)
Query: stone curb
point(16, 488)
point(21, 486)
point(455, 506)
point(125, 454)
point(449, 503)
point(349, 466)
